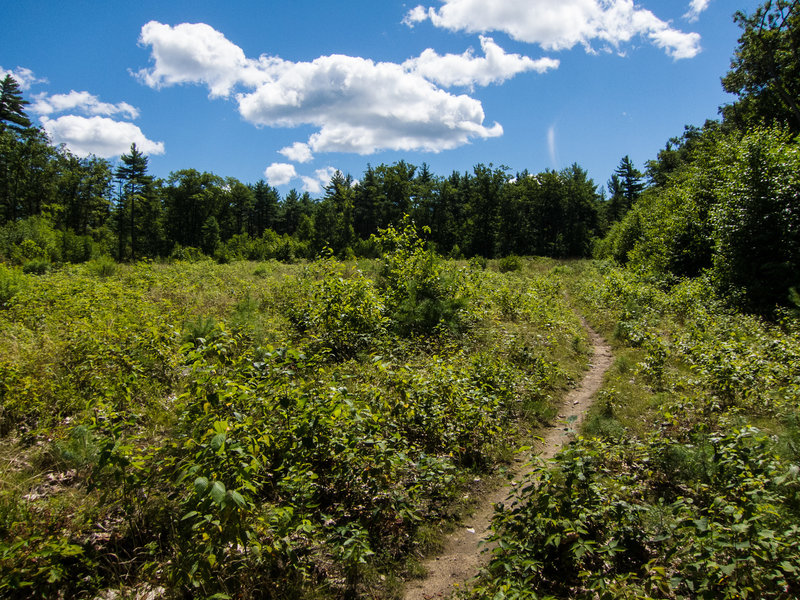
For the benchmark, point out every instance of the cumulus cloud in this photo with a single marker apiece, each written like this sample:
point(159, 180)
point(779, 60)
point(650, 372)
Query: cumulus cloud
point(561, 25)
point(197, 53)
point(416, 15)
point(82, 101)
point(361, 106)
point(321, 178)
point(695, 8)
point(358, 105)
point(23, 76)
point(280, 173)
point(297, 152)
point(100, 136)
point(495, 66)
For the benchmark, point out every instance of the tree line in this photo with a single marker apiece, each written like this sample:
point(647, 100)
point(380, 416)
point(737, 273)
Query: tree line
point(71, 208)
point(721, 201)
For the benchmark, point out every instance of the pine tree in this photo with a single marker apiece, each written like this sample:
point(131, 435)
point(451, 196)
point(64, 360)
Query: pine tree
point(132, 175)
point(12, 106)
point(624, 188)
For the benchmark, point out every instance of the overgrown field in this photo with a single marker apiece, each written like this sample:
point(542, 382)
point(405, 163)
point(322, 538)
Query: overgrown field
point(262, 430)
point(686, 483)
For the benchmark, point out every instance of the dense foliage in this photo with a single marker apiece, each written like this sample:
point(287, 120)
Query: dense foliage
point(725, 198)
point(733, 211)
point(226, 428)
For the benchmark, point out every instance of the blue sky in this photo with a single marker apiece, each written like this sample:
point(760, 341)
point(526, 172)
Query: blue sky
point(291, 91)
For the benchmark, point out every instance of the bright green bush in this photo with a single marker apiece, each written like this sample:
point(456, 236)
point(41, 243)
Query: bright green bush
point(103, 266)
point(338, 311)
point(509, 264)
point(421, 295)
point(10, 281)
point(731, 211)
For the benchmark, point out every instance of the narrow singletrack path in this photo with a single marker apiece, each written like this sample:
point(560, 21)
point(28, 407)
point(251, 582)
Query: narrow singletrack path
point(461, 558)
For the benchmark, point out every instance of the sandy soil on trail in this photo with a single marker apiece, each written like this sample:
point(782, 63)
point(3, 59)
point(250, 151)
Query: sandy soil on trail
point(461, 557)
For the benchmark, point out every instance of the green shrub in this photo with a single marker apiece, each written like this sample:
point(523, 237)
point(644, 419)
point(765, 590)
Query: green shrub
point(338, 311)
point(187, 253)
point(421, 295)
point(103, 266)
point(509, 264)
point(201, 330)
point(618, 519)
point(37, 266)
point(10, 282)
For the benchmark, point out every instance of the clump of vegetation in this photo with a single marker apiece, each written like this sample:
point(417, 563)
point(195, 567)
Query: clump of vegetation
point(339, 311)
point(10, 281)
point(36, 266)
point(103, 266)
point(510, 263)
point(421, 295)
point(651, 518)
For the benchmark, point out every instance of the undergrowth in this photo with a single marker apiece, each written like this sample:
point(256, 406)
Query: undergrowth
point(686, 481)
point(261, 430)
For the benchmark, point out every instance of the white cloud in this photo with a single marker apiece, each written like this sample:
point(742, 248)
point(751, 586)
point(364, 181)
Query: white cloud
point(357, 105)
point(362, 106)
point(83, 101)
point(317, 183)
point(197, 53)
point(466, 70)
point(676, 43)
point(695, 8)
point(83, 136)
point(297, 152)
point(560, 25)
point(23, 76)
point(100, 136)
point(416, 15)
point(280, 173)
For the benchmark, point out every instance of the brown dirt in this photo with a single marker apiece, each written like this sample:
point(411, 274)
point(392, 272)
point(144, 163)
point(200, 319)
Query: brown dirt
point(461, 558)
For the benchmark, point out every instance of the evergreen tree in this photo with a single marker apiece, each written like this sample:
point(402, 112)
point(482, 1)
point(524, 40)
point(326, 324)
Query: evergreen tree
point(396, 183)
point(190, 197)
point(482, 208)
point(211, 238)
point(134, 183)
point(290, 213)
point(624, 189)
point(267, 202)
point(333, 222)
point(84, 187)
point(367, 203)
point(12, 106)
point(241, 203)
point(28, 174)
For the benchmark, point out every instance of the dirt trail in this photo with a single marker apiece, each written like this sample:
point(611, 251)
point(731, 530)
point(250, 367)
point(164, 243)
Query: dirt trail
point(461, 557)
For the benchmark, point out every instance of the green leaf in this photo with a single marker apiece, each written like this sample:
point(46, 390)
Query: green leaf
point(218, 492)
point(201, 485)
point(237, 498)
point(788, 567)
point(217, 441)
